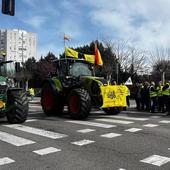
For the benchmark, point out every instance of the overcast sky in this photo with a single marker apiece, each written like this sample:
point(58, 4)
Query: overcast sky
point(144, 23)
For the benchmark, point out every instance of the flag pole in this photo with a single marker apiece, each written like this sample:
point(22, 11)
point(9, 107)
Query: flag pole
point(64, 46)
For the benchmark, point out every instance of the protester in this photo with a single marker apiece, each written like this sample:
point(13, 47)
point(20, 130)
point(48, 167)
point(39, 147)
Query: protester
point(31, 92)
point(145, 97)
point(153, 96)
point(138, 96)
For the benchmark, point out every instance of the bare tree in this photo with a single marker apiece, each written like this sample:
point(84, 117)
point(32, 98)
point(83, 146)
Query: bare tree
point(131, 59)
point(160, 60)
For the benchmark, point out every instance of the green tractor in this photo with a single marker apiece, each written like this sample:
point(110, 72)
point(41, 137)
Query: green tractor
point(13, 101)
point(75, 86)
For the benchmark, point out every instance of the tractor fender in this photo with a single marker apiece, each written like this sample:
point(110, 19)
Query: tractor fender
point(89, 82)
point(54, 83)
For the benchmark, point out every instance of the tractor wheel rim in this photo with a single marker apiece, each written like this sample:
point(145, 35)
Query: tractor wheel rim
point(73, 104)
point(48, 101)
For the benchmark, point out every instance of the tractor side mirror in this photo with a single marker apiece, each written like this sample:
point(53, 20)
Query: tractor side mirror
point(17, 67)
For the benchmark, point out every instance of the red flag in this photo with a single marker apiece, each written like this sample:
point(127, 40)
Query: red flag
point(98, 59)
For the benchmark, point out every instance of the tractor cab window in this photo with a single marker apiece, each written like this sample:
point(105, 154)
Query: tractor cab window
point(7, 69)
point(80, 69)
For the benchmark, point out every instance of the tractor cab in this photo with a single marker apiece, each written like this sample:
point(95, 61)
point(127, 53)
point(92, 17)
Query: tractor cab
point(74, 68)
point(7, 68)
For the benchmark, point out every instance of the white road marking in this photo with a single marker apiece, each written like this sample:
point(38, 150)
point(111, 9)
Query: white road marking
point(155, 117)
point(36, 131)
point(121, 169)
point(164, 121)
point(115, 121)
point(133, 130)
point(111, 135)
point(85, 130)
point(14, 140)
point(150, 125)
point(83, 142)
point(156, 160)
point(35, 106)
point(129, 118)
point(6, 160)
point(92, 124)
point(34, 112)
point(31, 120)
point(46, 151)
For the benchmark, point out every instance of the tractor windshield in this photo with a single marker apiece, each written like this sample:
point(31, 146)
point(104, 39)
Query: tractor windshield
point(80, 69)
point(7, 69)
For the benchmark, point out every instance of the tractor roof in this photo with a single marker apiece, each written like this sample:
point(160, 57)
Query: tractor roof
point(73, 60)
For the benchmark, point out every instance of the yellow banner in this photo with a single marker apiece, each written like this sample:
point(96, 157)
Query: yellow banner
point(89, 58)
point(71, 53)
point(113, 96)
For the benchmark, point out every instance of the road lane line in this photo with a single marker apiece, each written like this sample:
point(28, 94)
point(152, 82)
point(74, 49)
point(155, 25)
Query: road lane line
point(150, 125)
point(92, 124)
point(155, 117)
point(115, 121)
point(14, 140)
point(31, 120)
point(86, 130)
point(133, 130)
point(36, 131)
point(156, 160)
point(164, 121)
point(111, 135)
point(6, 160)
point(83, 142)
point(128, 118)
point(46, 151)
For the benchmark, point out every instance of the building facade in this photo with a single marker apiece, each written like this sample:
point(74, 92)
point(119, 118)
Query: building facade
point(17, 45)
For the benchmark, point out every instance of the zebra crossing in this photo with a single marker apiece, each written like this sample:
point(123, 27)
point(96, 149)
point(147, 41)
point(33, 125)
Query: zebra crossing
point(108, 122)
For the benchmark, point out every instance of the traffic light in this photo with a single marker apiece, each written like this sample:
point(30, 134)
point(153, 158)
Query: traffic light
point(8, 7)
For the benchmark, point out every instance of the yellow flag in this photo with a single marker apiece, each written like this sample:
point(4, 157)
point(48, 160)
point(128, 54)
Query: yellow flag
point(71, 53)
point(89, 58)
point(113, 96)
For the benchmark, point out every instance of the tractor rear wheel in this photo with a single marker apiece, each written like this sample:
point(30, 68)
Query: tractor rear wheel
point(79, 104)
point(51, 101)
point(18, 107)
point(112, 110)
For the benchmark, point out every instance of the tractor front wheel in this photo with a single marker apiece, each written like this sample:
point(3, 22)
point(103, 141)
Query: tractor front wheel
point(79, 104)
point(51, 101)
point(18, 107)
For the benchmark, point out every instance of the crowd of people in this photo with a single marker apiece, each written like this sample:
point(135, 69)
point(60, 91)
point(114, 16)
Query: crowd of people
point(153, 97)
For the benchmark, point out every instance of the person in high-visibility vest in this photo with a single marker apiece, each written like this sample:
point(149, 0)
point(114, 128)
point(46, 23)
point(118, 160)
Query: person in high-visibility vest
point(153, 96)
point(31, 91)
point(160, 97)
point(166, 97)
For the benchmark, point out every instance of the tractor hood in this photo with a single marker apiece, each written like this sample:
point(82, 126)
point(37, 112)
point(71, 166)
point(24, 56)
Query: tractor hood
point(100, 80)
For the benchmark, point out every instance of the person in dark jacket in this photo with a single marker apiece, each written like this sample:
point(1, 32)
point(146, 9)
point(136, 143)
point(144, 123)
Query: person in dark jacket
point(138, 89)
point(145, 97)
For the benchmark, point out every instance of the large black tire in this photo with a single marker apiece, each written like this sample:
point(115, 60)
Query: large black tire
point(112, 110)
point(51, 101)
point(18, 106)
point(79, 104)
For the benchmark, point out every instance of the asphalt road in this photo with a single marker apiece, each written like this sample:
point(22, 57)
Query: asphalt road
point(129, 141)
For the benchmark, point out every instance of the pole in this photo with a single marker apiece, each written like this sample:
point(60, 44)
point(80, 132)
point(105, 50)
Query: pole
point(22, 39)
point(117, 72)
